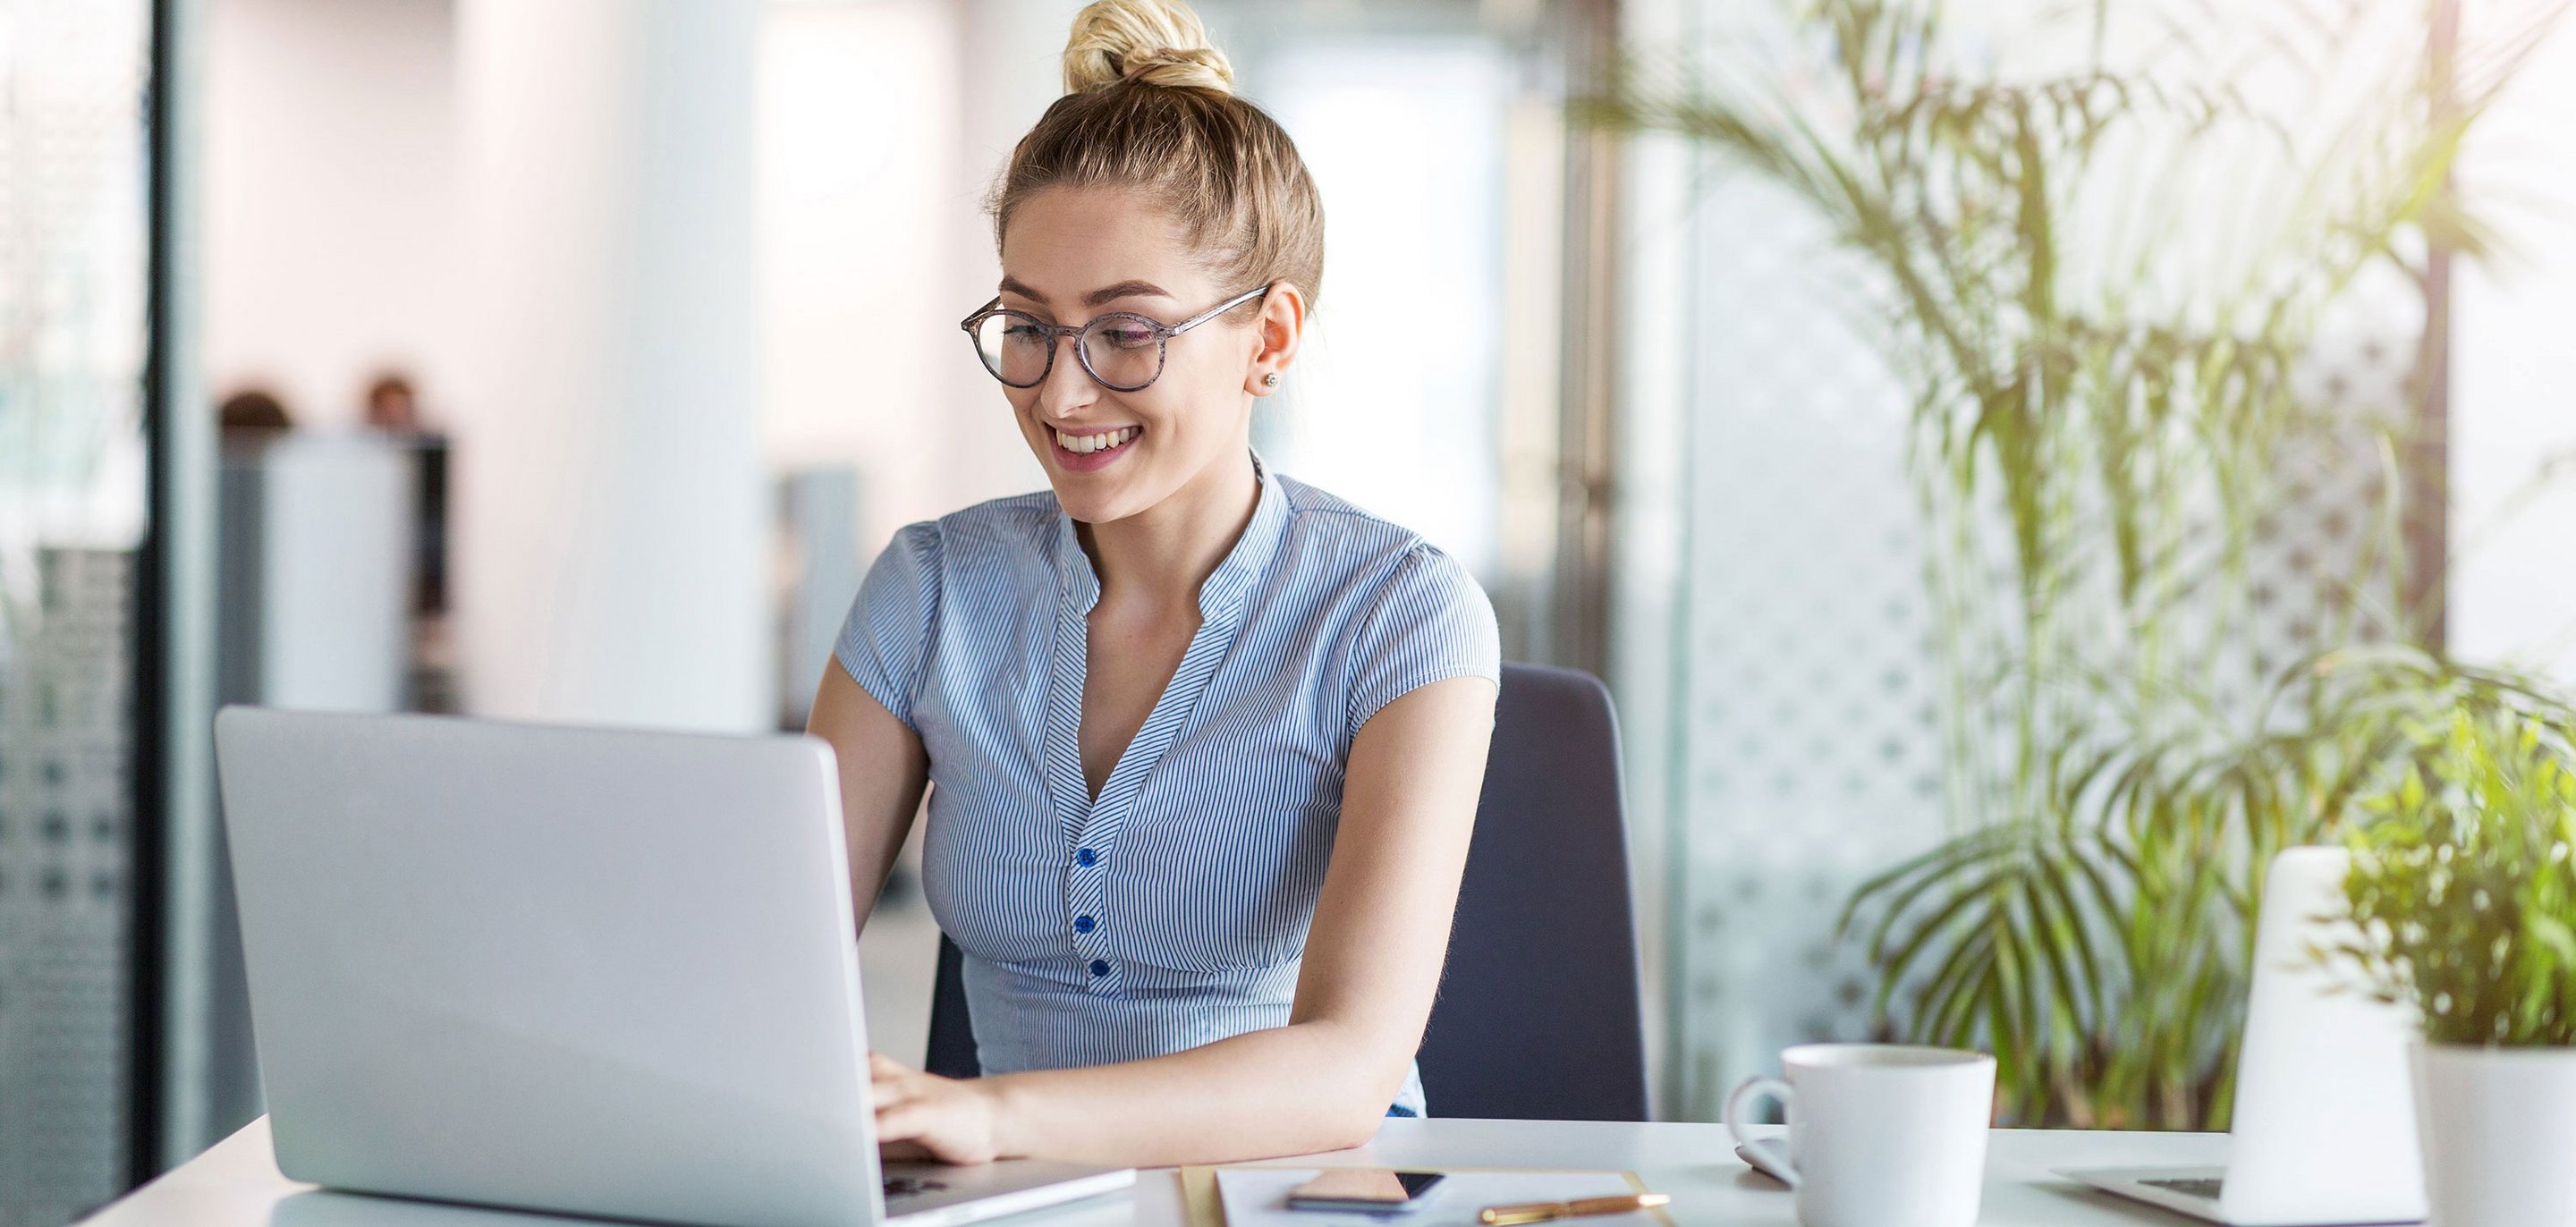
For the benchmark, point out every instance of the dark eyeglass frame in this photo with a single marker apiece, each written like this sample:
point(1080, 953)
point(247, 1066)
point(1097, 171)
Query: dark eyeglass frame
point(1055, 334)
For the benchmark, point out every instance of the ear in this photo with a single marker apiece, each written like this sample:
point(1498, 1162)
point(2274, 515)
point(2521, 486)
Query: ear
point(1278, 332)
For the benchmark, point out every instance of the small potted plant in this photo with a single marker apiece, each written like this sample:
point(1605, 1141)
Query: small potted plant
point(2463, 887)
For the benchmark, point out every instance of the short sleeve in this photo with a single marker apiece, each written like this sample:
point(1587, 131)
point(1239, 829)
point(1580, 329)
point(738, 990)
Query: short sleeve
point(885, 641)
point(1430, 621)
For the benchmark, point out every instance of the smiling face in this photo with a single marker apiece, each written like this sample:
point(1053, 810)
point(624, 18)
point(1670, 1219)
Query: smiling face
point(1071, 254)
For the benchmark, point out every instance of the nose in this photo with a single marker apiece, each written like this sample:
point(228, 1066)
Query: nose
point(1068, 388)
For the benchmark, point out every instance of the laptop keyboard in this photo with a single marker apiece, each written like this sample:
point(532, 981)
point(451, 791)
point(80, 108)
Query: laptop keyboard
point(2194, 1186)
point(909, 1186)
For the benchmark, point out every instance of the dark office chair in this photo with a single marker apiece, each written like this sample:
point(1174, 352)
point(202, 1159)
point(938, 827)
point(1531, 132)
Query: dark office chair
point(1539, 1015)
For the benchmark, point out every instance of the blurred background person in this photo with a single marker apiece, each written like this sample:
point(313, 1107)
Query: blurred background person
point(252, 417)
point(391, 404)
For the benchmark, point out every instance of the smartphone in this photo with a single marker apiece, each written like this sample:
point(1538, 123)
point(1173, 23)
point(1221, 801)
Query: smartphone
point(1368, 1190)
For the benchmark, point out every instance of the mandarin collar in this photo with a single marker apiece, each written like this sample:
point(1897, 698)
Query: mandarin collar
point(1227, 588)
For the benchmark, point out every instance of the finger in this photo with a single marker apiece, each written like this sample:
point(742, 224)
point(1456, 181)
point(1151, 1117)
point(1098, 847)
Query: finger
point(926, 1125)
point(902, 1121)
point(904, 1151)
point(894, 1086)
point(955, 1152)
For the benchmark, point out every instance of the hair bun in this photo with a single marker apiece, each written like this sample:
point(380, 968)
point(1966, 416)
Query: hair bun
point(1156, 42)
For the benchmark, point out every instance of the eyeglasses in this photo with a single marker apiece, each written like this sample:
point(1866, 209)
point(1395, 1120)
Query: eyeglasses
point(1122, 351)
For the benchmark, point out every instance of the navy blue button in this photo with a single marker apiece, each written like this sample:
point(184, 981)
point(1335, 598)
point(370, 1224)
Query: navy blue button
point(1100, 967)
point(1083, 924)
point(1086, 857)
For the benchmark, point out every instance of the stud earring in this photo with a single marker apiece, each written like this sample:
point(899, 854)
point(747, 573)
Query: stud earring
point(1270, 380)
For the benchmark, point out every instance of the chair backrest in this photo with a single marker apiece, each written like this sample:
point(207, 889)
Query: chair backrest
point(952, 1030)
point(1539, 1015)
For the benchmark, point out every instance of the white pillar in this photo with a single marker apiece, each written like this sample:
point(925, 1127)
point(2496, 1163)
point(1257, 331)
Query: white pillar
point(610, 531)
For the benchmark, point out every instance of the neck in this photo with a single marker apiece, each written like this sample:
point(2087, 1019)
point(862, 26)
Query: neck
point(1160, 556)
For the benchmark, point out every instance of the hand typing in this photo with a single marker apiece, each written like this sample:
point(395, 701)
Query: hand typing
point(925, 1116)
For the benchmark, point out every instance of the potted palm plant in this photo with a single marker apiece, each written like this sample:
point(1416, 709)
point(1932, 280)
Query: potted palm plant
point(2463, 890)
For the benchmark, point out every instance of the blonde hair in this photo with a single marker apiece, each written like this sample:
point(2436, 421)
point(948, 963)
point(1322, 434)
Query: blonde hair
point(1149, 105)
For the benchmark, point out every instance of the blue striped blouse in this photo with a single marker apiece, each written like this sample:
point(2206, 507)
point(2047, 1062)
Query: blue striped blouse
point(1171, 911)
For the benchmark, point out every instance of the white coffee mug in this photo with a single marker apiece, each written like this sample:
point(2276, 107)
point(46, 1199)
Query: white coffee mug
point(1880, 1135)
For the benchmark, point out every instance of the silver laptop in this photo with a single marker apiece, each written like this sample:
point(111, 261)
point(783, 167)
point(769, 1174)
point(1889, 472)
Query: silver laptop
point(2325, 1117)
point(605, 973)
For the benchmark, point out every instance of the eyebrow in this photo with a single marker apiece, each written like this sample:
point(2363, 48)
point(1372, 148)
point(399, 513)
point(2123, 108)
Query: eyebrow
point(1105, 294)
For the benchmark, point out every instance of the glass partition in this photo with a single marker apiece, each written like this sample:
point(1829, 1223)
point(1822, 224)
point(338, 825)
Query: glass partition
point(73, 262)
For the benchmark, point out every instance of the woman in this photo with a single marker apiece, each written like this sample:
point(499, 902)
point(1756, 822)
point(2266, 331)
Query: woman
point(1207, 740)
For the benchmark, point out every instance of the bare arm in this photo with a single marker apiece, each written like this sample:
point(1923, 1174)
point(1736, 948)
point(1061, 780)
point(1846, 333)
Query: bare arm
point(883, 772)
point(1372, 966)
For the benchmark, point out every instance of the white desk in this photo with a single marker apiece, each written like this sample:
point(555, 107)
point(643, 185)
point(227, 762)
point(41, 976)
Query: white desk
point(236, 1184)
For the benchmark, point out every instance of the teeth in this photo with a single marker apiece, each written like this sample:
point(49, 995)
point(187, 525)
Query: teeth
point(1087, 444)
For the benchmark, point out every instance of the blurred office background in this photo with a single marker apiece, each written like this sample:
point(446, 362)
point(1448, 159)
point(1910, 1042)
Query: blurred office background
point(569, 361)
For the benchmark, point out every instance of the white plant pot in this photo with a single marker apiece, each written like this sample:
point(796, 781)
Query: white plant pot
point(2499, 1135)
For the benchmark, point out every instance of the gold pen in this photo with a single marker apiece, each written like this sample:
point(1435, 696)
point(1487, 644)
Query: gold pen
point(1542, 1211)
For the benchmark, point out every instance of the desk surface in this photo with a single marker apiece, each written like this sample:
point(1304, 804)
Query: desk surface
point(236, 1183)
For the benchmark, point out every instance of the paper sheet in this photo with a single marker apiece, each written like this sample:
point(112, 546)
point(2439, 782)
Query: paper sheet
point(1258, 1197)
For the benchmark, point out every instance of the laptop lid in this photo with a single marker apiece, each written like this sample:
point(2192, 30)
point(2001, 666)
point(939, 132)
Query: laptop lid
point(2324, 1127)
point(611, 973)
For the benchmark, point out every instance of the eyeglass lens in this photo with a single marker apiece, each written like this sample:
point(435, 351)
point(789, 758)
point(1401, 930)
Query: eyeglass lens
point(1123, 352)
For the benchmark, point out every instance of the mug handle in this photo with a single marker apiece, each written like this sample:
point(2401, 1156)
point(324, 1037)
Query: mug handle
point(1767, 1154)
